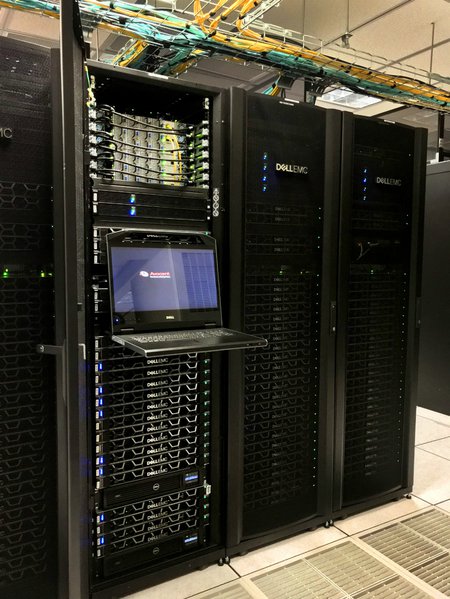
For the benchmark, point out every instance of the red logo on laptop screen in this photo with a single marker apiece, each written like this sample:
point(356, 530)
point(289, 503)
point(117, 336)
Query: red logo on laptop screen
point(155, 275)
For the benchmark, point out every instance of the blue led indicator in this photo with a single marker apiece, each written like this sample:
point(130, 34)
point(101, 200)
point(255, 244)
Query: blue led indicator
point(264, 187)
point(132, 199)
point(100, 389)
point(100, 401)
point(100, 366)
point(265, 156)
point(365, 180)
point(264, 178)
point(102, 540)
point(101, 413)
point(265, 167)
point(102, 517)
point(100, 471)
point(101, 460)
point(132, 211)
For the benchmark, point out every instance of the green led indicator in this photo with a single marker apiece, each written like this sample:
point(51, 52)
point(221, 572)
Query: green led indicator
point(5, 273)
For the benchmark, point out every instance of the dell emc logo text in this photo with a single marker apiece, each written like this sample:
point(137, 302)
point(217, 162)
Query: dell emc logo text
point(6, 133)
point(291, 168)
point(386, 181)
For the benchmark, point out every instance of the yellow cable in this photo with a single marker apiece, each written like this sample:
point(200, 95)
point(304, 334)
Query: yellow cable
point(253, 41)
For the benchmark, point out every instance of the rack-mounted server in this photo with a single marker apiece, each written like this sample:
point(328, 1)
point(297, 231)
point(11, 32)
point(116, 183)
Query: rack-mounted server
point(381, 218)
point(28, 504)
point(155, 423)
point(283, 207)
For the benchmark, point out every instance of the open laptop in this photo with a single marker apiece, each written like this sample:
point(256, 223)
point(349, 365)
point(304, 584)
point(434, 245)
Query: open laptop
point(164, 292)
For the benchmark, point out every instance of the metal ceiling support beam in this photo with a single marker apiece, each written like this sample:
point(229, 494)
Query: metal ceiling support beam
point(421, 51)
point(433, 26)
point(370, 21)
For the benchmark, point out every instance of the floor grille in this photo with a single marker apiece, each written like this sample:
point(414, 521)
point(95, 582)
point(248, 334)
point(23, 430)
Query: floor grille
point(436, 574)
point(420, 544)
point(344, 571)
point(351, 568)
point(298, 579)
point(399, 588)
point(403, 546)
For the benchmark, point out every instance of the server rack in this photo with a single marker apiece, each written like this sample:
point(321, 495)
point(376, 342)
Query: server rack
point(433, 387)
point(378, 318)
point(284, 195)
point(28, 408)
point(155, 162)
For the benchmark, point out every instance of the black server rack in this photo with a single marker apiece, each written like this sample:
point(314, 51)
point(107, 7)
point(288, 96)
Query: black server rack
point(154, 163)
point(284, 196)
point(28, 464)
point(378, 299)
point(434, 381)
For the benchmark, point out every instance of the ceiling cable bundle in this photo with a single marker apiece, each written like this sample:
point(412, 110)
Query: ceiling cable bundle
point(188, 40)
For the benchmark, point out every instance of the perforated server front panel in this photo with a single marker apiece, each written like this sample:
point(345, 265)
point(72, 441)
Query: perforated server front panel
point(281, 253)
point(151, 417)
point(27, 387)
point(379, 228)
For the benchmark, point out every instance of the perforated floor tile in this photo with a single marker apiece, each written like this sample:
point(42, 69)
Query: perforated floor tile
point(433, 525)
point(402, 545)
point(345, 571)
point(350, 568)
point(297, 579)
point(436, 574)
point(420, 544)
point(393, 589)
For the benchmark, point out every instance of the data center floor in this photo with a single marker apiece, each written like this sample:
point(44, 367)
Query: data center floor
point(284, 561)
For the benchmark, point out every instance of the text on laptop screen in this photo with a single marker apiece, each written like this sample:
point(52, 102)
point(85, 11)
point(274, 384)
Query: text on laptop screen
point(155, 279)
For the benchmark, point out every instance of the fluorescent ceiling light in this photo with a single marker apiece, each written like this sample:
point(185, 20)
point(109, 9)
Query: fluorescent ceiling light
point(346, 97)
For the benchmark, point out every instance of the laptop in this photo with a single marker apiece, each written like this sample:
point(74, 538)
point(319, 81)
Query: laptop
point(165, 295)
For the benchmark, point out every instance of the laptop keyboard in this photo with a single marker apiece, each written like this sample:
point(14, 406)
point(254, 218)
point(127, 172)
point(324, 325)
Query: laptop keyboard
point(182, 336)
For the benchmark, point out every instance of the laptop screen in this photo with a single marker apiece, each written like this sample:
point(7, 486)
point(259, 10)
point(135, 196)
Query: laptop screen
point(157, 285)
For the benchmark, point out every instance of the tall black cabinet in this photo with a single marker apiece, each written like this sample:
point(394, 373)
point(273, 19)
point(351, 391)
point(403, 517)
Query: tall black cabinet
point(284, 198)
point(28, 438)
point(381, 214)
point(434, 381)
point(154, 162)
point(325, 249)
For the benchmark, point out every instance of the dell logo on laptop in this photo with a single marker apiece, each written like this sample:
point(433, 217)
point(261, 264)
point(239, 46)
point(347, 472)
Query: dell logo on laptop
point(291, 168)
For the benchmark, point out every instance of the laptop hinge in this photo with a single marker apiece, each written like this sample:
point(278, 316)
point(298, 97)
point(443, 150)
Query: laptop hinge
point(210, 324)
